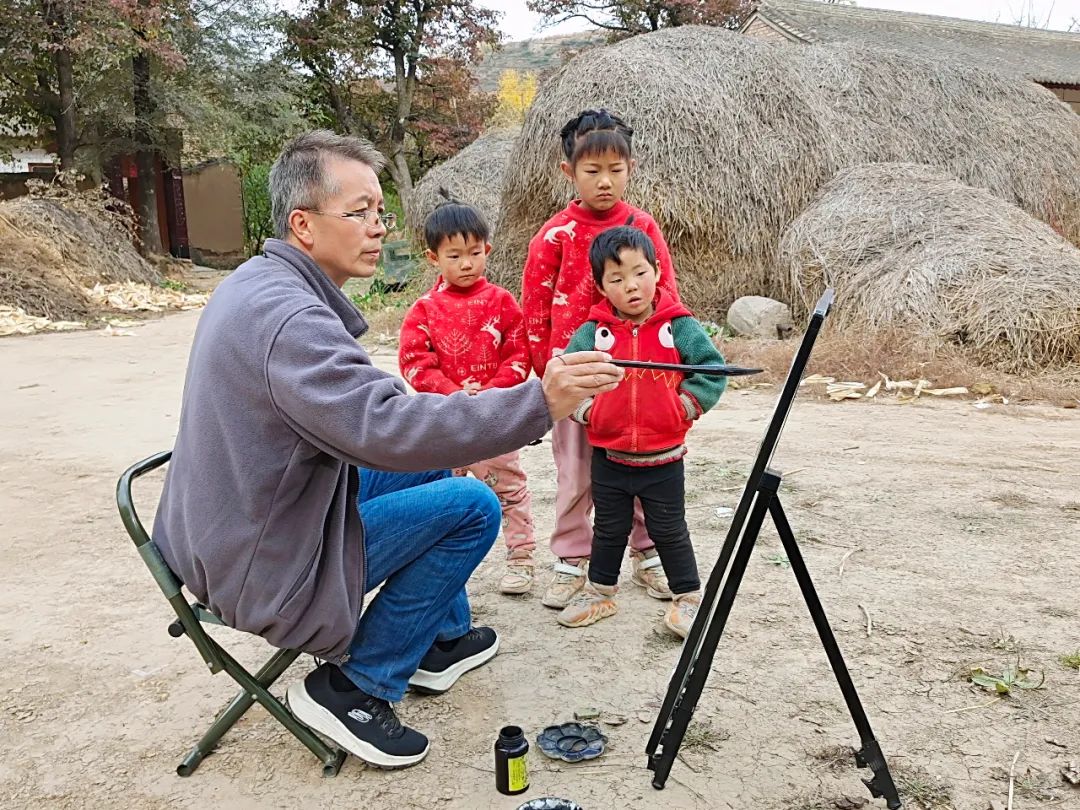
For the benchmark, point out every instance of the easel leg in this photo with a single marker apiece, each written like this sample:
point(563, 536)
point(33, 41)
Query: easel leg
point(870, 754)
point(672, 733)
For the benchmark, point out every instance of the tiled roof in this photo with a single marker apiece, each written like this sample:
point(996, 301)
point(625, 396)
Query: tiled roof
point(1048, 57)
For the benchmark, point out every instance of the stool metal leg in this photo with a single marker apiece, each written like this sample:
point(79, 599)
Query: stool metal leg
point(256, 690)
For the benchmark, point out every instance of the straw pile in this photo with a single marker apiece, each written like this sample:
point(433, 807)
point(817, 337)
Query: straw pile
point(909, 246)
point(474, 175)
point(734, 137)
point(51, 252)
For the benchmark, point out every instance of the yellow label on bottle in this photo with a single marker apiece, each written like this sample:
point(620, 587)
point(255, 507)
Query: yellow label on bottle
point(519, 774)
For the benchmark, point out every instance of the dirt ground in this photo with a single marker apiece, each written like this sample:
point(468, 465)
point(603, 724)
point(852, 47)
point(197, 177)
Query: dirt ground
point(957, 529)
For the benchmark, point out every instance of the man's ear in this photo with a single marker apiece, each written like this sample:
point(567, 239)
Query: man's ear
point(568, 170)
point(300, 227)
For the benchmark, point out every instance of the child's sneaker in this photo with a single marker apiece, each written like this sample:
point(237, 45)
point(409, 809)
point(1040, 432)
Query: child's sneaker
point(568, 580)
point(592, 603)
point(519, 573)
point(648, 572)
point(680, 614)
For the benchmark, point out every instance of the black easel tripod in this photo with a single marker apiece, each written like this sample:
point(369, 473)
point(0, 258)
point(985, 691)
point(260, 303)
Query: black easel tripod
point(758, 498)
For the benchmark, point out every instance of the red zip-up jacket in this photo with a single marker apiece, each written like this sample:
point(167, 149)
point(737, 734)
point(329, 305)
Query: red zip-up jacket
point(557, 288)
point(453, 335)
point(650, 411)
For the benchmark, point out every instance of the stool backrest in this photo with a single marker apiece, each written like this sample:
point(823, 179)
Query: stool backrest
point(169, 583)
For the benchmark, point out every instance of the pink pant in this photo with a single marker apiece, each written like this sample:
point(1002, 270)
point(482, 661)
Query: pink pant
point(573, 495)
point(506, 477)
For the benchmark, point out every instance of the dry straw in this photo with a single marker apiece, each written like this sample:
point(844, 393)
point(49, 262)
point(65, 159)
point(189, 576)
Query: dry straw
point(50, 251)
point(734, 137)
point(474, 175)
point(909, 246)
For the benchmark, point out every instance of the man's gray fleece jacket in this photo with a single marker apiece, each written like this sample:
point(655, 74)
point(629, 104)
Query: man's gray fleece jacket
point(258, 516)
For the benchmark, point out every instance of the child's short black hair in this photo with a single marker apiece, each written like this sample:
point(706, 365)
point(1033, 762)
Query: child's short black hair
point(610, 243)
point(593, 121)
point(454, 218)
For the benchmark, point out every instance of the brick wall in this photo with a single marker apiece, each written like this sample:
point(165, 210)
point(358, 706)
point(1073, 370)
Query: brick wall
point(1069, 96)
point(764, 31)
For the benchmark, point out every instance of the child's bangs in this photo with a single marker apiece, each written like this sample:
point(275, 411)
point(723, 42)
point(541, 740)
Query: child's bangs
point(454, 219)
point(600, 142)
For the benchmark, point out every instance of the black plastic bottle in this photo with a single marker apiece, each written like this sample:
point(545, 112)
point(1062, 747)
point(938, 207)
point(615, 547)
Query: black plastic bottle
point(511, 772)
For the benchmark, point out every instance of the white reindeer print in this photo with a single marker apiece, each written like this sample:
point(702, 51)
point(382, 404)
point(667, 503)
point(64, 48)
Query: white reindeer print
point(559, 300)
point(568, 229)
point(550, 284)
point(489, 327)
point(410, 375)
point(518, 367)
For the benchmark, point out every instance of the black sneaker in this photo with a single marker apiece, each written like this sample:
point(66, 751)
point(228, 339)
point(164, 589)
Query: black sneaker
point(365, 726)
point(447, 661)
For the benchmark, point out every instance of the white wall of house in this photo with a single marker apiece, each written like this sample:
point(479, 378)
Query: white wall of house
point(22, 158)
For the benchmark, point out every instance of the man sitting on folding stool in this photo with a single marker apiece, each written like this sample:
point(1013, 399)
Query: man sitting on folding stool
point(266, 517)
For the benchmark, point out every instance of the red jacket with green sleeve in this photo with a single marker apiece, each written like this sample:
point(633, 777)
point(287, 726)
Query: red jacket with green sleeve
point(644, 421)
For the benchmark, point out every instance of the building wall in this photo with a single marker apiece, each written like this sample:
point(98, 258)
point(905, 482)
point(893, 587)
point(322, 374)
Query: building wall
point(22, 159)
point(1069, 96)
point(763, 31)
point(215, 213)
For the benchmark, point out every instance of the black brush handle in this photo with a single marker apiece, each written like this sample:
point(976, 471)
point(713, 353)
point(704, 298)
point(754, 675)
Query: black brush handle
point(718, 371)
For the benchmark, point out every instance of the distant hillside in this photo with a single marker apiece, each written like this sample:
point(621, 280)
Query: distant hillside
point(536, 55)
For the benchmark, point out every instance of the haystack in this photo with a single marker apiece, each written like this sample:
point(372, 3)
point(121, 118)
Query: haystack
point(910, 246)
point(50, 253)
point(734, 137)
point(474, 175)
point(1008, 136)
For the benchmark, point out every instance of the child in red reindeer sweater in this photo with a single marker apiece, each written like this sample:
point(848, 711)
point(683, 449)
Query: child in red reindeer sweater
point(557, 292)
point(637, 430)
point(466, 334)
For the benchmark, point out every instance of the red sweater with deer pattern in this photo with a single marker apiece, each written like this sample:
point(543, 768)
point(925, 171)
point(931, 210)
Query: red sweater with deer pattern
point(454, 335)
point(557, 288)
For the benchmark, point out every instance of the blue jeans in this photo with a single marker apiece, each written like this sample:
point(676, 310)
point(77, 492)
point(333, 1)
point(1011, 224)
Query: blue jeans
point(424, 535)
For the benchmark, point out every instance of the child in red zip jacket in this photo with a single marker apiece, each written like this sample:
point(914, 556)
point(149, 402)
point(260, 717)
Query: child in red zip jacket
point(637, 430)
point(466, 334)
point(557, 292)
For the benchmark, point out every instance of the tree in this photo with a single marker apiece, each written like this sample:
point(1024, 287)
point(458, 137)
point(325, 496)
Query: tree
point(515, 95)
point(448, 113)
point(622, 18)
point(394, 72)
point(101, 78)
point(146, 21)
point(45, 46)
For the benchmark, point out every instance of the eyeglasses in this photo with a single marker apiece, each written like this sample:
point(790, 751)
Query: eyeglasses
point(369, 218)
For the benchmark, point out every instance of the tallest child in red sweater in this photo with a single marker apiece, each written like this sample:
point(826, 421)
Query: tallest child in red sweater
point(557, 293)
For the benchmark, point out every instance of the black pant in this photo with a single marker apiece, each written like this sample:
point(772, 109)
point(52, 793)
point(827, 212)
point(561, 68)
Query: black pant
point(662, 494)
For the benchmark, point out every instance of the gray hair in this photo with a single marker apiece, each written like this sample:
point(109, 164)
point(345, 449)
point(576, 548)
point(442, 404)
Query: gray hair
point(298, 178)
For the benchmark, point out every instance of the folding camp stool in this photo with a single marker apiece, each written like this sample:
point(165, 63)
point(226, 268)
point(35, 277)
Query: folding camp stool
point(190, 618)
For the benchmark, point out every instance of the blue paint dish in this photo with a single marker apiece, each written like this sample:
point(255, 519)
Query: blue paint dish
point(571, 742)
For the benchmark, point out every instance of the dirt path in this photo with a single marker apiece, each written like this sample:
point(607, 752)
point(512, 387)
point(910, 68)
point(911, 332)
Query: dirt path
point(965, 525)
